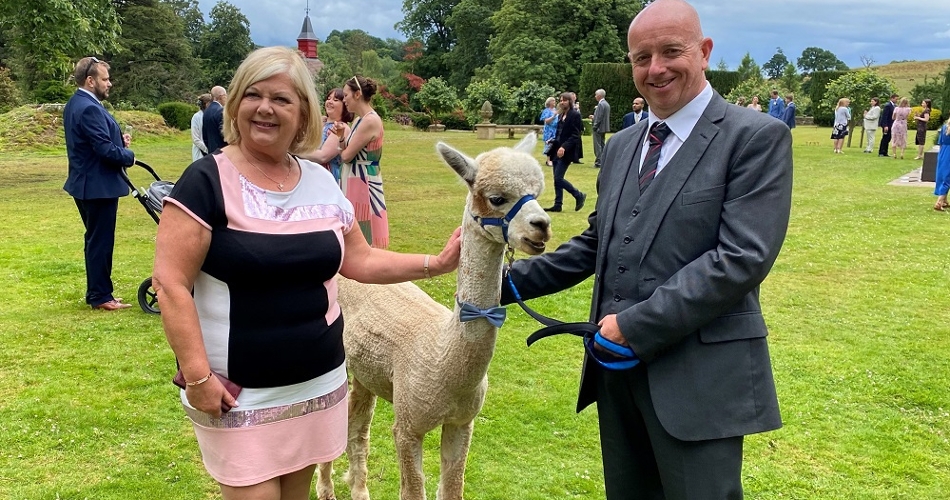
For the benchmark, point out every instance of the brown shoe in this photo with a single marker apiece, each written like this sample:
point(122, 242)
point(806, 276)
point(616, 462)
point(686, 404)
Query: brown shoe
point(112, 305)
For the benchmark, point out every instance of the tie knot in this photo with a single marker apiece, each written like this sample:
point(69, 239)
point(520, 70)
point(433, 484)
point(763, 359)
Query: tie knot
point(658, 133)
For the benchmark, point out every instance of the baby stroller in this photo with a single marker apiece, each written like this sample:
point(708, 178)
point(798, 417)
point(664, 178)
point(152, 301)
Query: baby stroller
point(150, 198)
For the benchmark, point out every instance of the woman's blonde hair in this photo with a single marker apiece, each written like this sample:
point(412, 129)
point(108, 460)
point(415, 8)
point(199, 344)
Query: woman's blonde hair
point(550, 101)
point(262, 64)
point(843, 102)
point(904, 103)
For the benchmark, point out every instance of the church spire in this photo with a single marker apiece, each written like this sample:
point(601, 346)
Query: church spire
point(307, 40)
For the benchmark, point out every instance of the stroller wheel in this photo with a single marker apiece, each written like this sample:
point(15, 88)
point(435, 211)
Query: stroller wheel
point(148, 298)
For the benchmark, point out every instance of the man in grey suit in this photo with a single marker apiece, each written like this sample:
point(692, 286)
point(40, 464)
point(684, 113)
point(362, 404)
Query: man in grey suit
point(678, 250)
point(600, 122)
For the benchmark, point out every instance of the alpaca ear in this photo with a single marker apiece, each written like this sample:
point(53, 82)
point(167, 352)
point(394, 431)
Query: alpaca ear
point(464, 166)
point(528, 143)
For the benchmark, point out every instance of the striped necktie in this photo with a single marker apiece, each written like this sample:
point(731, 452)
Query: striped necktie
point(658, 133)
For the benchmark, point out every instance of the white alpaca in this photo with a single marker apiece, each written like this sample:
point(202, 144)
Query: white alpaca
point(414, 352)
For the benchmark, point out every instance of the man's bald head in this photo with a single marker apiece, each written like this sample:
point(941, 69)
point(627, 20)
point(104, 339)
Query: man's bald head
point(219, 94)
point(669, 55)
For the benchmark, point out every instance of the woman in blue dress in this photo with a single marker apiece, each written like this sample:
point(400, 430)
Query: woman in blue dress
point(549, 118)
point(336, 113)
point(942, 180)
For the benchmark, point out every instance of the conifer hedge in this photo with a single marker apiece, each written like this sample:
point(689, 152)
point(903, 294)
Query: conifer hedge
point(616, 79)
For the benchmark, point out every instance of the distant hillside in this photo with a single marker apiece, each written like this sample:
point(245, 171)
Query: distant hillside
point(908, 74)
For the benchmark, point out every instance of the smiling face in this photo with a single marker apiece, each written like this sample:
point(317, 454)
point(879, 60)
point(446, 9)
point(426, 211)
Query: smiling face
point(334, 107)
point(269, 114)
point(669, 55)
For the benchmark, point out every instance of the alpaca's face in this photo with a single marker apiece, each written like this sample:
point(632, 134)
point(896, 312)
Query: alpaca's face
point(497, 180)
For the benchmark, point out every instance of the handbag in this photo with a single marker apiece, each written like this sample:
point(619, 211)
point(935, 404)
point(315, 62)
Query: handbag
point(232, 388)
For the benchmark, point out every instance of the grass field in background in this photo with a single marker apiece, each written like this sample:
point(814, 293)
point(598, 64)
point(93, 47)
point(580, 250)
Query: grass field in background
point(857, 307)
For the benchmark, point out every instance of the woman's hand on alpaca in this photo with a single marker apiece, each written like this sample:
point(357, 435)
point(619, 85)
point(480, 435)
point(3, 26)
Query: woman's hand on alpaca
point(448, 259)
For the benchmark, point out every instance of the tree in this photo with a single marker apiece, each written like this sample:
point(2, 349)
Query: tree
point(47, 37)
point(859, 86)
point(722, 65)
point(191, 16)
point(776, 65)
point(527, 101)
point(225, 43)
point(155, 62)
point(790, 79)
point(493, 91)
point(748, 69)
point(437, 97)
point(426, 21)
point(818, 59)
point(472, 25)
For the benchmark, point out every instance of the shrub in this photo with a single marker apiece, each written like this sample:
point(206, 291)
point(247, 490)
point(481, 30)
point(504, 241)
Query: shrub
point(455, 120)
point(177, 114)
point(528, 101)
point(421, 120)
point(437, 97)
point(932, 124)
point(52, 91)
point(9, 94)
point(492, 90)
point(402, 118)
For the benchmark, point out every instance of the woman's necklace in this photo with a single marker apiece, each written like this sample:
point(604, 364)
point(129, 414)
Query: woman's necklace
point(280, 185)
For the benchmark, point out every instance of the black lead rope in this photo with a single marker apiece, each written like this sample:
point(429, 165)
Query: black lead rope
point(552, 326)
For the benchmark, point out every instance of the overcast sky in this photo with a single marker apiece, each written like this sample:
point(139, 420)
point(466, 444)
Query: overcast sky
point(884, 30)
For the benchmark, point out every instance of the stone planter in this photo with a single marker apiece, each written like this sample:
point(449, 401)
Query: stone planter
point(436, 127)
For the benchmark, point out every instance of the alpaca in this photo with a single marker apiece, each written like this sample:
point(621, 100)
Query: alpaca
point(408, 349)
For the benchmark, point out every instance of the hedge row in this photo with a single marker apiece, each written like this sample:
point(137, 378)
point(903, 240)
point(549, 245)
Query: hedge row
point(177, 114)
point(616, 80)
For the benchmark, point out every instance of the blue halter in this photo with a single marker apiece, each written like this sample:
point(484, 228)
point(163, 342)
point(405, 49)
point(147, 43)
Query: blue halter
point(504, 221)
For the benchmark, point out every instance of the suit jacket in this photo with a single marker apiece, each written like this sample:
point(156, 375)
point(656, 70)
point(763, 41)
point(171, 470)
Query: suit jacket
point(601, 122)
point(95, 150)
point(568, 137)
point(211, 124)
point(681, 267)
point(630, 118)
point(887, 116)
point(789, 115)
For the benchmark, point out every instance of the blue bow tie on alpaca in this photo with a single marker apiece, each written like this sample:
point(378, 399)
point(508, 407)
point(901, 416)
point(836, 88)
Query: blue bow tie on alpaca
point(494, 315)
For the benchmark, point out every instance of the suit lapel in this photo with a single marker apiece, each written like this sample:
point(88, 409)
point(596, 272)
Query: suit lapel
point(665, 189)
point(628, 162)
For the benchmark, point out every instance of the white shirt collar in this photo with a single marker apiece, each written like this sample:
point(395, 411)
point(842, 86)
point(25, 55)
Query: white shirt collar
point(682, 122)
point(90, 93)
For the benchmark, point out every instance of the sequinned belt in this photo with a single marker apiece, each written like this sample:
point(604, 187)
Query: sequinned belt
point(235, 419)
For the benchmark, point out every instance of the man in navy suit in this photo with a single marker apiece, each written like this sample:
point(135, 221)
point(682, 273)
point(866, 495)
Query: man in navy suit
point(634, 117)
point(884, 123)
point(97, 152)
point(213, 120)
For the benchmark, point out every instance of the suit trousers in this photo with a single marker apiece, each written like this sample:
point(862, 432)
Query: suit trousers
point(885, 141)
point(871, 132)
point(98, 217)
point(599, 140)
point(644, 462)
point(560, 183)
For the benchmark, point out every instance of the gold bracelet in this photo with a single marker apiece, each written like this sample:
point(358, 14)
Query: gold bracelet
point(425, 267)
point(200, 380)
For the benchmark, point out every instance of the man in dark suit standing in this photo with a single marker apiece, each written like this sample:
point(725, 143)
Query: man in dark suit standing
point(213, 120)
point(692, 211)
point(97, 151)
point(636, 116)
point(565, 149)
point(885, 123)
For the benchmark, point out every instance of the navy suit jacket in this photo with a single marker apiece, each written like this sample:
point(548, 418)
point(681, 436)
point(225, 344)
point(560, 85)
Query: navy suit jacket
point(629, 119)
point(211, 124)
point(95, 149)
point(887, 115)
point(568, 137)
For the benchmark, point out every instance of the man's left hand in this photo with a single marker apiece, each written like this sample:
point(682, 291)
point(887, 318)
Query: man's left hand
point(610, 330)
point(127, 139)
point(560, 152)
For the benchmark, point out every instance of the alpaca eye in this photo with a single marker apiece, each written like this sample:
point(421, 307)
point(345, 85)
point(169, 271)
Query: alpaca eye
point(496, 200)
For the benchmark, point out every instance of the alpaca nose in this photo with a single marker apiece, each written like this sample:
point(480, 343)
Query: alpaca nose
point(543, 225)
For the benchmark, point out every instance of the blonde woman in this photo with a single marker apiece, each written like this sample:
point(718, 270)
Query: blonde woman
point(549, 117)
point(899, 128)
point(842, 118)
point(755, 104)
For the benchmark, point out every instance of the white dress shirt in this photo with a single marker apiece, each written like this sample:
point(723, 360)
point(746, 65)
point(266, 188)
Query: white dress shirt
point(681, 123)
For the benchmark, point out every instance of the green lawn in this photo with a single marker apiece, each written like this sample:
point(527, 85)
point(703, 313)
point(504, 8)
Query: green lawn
point(856, 304)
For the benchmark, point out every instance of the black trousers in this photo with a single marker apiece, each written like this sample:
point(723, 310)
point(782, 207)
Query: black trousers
point(560, 183)
point(644, 462)
point(885, 141)
point(98, 217)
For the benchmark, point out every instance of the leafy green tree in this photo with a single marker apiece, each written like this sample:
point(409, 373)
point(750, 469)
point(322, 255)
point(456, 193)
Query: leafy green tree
point(859, 86)
point(225, 43)
point(191, 16)
point(155, 63)
point(493, 91)
point(47, 37)
point(775, 66)
point(818, 59)
point(336, 68)
point(722, 65)
point(930, 88)
point(790, 79)
point(470, 20)
point(528, 99)
point(748, 69)
point(426, 21)
point(9, 94)
point(437, 97)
